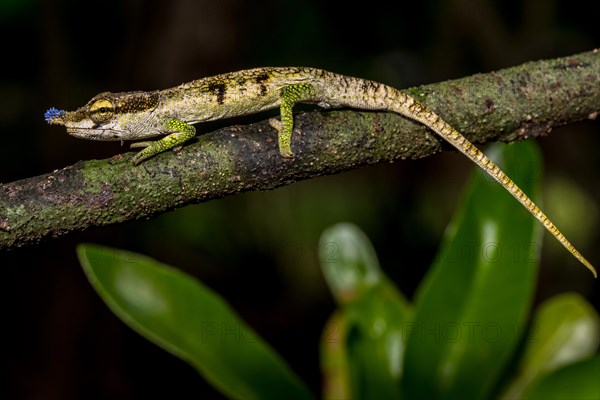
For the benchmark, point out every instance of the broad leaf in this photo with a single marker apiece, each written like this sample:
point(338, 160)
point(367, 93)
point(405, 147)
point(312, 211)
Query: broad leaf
point(473, 304)
point(184, 317)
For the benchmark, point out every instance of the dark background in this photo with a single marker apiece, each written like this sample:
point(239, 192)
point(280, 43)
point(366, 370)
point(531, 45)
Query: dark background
point(257, 249)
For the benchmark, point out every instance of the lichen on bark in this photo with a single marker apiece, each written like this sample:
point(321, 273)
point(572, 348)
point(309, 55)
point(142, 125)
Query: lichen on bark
point(511, 104)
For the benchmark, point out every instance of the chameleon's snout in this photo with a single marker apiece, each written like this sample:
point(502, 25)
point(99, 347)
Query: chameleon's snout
point(54, 116)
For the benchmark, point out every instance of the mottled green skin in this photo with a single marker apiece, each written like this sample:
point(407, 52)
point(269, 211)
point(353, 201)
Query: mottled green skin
point(178, 132)
point(171, 112)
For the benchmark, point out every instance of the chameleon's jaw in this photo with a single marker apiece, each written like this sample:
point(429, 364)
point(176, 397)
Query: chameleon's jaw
point(97, 134)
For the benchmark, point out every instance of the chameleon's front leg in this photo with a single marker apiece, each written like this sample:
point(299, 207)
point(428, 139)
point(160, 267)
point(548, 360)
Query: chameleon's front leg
point(179, 133)
point(290, 95)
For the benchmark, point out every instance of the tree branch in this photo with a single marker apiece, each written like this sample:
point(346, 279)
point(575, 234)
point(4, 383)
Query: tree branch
point(511, 104)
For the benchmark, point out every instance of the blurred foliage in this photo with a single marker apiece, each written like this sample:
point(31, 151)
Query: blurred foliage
point(466, 335)
point(191, 321)
point(257, 249)
point(482, 280)
point(575, 381)
point(366, 339)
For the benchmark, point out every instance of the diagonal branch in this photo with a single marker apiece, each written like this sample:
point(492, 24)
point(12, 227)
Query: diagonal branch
point(511, 104)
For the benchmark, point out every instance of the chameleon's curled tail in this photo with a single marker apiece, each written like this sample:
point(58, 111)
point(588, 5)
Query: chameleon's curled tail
point(376, 96)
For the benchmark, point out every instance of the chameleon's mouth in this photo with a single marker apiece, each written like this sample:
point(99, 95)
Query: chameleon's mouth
point(96, 134)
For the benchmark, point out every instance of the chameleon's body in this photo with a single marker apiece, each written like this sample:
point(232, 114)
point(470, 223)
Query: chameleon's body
point(171, 112)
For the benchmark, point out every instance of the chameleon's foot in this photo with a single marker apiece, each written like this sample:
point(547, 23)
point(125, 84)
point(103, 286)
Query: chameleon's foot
point(286, 151)
point(144, 154)
point(284, 140)
point(141, 156)
point(150, 149)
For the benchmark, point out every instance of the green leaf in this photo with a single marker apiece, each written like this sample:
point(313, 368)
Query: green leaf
point(348, 262)
point(335, 368)
point(579, 381)
point(565, 329)
point(189, 320)
point(473, 303)
point(366, 360)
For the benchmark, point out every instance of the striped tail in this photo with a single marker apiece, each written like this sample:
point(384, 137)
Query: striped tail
point(421, 113)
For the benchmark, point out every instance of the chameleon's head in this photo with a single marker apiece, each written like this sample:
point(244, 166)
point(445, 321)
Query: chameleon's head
point(109, 116)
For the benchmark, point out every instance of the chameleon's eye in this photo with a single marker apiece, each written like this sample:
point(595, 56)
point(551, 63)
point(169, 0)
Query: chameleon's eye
point(101, 110)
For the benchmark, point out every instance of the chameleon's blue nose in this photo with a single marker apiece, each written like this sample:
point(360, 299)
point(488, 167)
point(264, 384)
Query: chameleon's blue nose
point(53, 114)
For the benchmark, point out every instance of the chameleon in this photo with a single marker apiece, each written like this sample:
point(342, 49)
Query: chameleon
point(172, 112)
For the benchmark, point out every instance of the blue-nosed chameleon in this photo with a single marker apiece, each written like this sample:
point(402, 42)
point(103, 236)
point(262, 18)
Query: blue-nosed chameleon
point(172, 112)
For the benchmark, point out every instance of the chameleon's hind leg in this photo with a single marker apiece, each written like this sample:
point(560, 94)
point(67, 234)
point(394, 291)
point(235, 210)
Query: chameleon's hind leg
point(290, 95)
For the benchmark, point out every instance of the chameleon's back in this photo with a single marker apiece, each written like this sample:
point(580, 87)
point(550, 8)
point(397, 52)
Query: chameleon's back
point(233, 94)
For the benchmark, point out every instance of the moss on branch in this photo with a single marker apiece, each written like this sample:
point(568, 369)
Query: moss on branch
point(512, 104)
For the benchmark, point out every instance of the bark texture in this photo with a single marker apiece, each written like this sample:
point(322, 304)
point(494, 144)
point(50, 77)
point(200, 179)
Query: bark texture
point(509, 105)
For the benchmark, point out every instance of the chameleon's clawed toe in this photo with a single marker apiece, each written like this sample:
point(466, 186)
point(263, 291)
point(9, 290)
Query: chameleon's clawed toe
point(139, 157)
point(286, 152)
